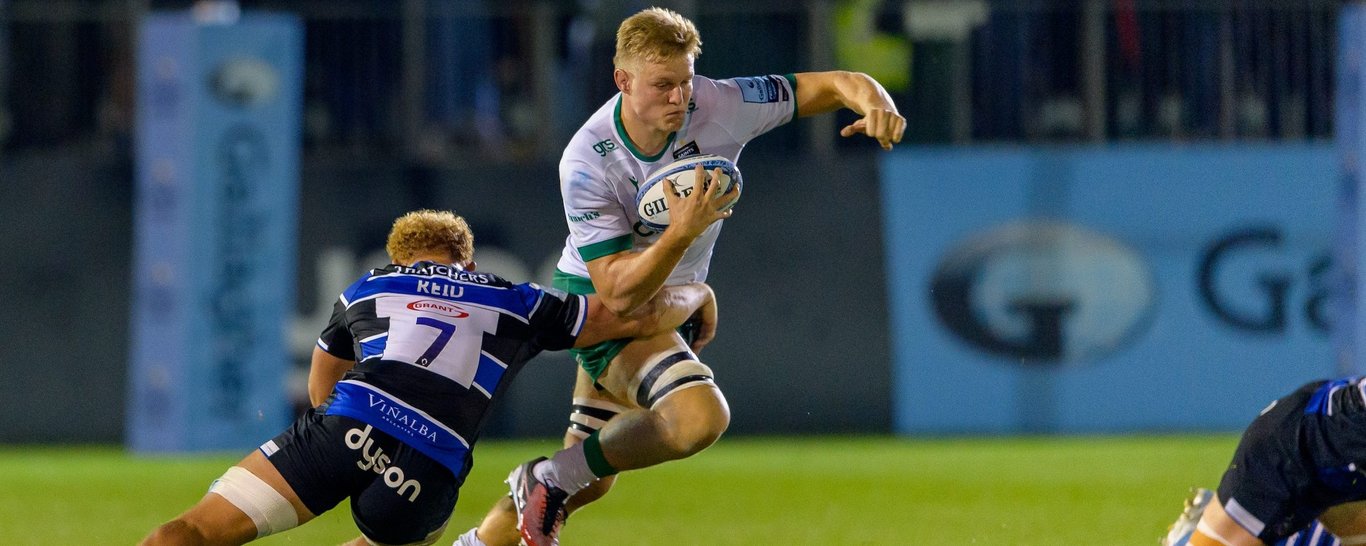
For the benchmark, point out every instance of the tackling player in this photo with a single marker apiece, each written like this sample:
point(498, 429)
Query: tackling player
point(1303, 458)
point(402, 378)
point(1179, 534)
point(642, 402)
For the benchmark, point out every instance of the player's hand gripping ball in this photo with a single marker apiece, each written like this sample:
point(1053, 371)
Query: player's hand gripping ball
point(650, 203)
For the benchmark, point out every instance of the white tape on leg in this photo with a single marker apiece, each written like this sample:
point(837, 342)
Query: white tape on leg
point(266, 507)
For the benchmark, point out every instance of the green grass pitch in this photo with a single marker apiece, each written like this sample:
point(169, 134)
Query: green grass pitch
point(743, 491)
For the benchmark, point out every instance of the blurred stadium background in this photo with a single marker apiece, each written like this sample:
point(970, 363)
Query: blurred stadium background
point(1131, 218)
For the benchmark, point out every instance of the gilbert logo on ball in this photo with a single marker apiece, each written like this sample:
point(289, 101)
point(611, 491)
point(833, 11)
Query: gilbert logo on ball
point(650, 202)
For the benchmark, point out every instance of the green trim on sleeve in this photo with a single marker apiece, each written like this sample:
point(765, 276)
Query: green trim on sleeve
point(792, 79)
point(573, 284)
point(605, 248)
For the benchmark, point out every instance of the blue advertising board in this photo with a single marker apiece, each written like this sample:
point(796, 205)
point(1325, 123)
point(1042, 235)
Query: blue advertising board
point(1105, 289)
point(217, 147)
point(1350, 338)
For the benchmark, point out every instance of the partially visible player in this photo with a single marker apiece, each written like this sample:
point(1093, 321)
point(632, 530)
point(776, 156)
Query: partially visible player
point(1302, 459)
point(402, 379)
point(1179, 534)
point(644, 402)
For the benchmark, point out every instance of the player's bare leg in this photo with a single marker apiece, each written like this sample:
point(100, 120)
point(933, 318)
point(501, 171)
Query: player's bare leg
point(665, 423)
point(498, 528)
point(680, 426)
point(216, 520)
point(675, 411)
point(592, 411)
point(1347, 522)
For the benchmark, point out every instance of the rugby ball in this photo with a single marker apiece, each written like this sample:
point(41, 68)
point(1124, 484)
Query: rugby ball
point(650, 203)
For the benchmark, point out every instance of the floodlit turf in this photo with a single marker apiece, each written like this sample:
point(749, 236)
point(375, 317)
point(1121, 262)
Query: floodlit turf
point(743, 491)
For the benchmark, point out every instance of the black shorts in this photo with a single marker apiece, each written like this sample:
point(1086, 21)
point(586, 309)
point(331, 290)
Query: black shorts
point(398, 494)
point(1302, 455)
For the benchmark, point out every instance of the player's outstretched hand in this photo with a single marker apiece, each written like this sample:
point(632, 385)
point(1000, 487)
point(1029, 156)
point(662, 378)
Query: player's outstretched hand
point(886, 126)
point(690, 215)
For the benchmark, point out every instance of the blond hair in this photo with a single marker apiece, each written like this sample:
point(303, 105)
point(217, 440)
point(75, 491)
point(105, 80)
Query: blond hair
point(656, 35)
point(428, 232)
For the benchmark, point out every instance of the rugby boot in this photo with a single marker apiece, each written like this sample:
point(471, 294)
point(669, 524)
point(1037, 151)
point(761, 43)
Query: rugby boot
point(540, 506)
point(1180, 532)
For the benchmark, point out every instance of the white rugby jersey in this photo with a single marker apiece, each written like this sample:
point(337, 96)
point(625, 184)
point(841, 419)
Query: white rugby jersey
point(600, 170)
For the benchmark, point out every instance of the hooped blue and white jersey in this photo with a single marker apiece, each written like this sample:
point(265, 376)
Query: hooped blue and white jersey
point(434, 345)
point(601, 170)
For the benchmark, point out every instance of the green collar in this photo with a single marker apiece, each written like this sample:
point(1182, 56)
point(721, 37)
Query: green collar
point(626, 139)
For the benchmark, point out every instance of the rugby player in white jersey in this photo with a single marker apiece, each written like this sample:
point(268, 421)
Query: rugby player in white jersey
point(402, 381)
point(646, 401)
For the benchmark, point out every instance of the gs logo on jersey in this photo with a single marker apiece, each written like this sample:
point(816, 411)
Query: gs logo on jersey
point(1044, 293)
point(439, 307)
point(604, 146)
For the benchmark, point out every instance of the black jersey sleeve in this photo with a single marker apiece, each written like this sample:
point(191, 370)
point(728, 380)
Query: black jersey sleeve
point(556, 317)
point(336, 338)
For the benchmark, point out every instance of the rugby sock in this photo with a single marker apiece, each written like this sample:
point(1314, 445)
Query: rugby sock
point(576, 466)
point(566, 469)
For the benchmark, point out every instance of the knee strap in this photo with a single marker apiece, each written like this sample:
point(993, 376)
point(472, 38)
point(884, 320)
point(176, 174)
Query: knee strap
point(266, 507)
point(667, 374)
point(590, 414)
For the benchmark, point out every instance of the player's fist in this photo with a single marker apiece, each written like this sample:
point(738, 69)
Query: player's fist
point(885, 126)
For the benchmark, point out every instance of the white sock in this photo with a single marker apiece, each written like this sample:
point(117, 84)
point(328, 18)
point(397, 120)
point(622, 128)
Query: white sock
point(567, 469)
point(469, 539)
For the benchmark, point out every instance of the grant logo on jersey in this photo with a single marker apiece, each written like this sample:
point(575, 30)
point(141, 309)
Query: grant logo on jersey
point(438, 307)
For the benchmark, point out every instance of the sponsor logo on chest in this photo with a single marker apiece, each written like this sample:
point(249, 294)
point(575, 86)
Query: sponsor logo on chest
point(687, 150)
point(438, 307)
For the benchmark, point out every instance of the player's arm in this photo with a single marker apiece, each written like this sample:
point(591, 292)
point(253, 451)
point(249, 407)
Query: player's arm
point(667, 310)
point(333, 355)
point(821, 92)
point(323, 373)
point(627, 280)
